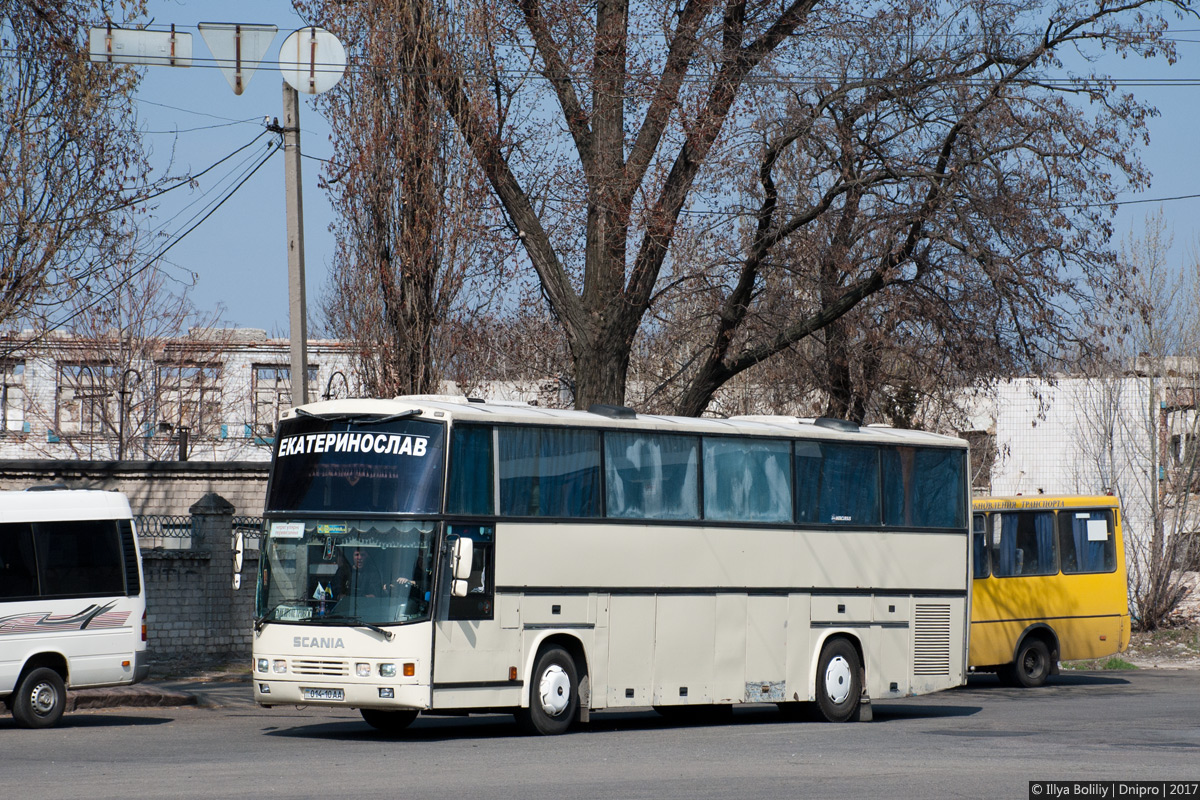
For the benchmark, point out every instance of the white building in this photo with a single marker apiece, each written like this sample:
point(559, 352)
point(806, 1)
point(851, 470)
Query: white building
point(1130, 435)
point(213, 395)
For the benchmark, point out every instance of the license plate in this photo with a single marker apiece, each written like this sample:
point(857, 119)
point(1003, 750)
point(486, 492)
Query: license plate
point(322, 694)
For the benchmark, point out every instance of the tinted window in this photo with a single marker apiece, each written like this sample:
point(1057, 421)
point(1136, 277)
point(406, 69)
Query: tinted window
point(79, 558)
point(923, 487)
point(18, 567)
point(481, 585)
point(469, 490)
point(651, 476)
point(837, 484)
point(1086, 541)
point(549, 472)
point(324, 465)
point(747, 480)
point(1023, 543)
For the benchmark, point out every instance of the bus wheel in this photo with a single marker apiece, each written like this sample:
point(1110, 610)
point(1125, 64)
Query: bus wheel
point(839, 684)
point(1032, 666)
point(553, 695)
point(388, 721)
point(40, 700)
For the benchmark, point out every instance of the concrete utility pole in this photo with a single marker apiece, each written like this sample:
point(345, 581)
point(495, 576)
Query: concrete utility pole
point(297, 317)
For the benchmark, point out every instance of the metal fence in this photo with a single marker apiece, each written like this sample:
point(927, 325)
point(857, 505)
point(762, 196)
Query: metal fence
point(251, 529)
point(175, 532)
point(168, 532)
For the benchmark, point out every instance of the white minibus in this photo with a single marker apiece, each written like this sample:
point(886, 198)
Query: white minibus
point(72, 607)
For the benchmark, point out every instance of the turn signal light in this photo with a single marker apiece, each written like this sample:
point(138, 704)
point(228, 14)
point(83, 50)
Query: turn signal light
point(410, 669)
point(512, 673)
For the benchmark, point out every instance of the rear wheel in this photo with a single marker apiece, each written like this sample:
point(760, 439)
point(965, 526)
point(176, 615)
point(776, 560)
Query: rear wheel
point(40, 700)
point(553, 694)
point(1032, 666)
point(839, 685)
point(388, 721)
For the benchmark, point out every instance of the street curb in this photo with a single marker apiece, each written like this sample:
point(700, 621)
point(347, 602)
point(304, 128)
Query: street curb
point(140, 696)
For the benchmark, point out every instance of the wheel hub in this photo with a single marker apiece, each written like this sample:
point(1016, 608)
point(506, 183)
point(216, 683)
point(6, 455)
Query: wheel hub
point(838, 680)
point(43, 699)
point(554, 690)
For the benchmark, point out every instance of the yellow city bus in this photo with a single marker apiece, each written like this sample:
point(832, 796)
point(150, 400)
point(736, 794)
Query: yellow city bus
point(1049, 585)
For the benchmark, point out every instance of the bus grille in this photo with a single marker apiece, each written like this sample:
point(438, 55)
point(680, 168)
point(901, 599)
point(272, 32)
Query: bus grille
point(931, 640)
point(312, 666)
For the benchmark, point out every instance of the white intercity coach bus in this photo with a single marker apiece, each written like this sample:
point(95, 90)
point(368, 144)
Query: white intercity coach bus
point(434, 554)
point(72, 608)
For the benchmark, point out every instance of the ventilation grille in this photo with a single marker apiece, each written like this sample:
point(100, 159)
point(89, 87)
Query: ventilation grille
point(312, 666)
point(931, 640)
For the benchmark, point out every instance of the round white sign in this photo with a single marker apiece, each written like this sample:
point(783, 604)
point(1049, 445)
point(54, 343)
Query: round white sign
point(312, 60)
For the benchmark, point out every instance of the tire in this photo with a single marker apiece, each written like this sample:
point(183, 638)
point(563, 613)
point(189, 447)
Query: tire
point(553, 694)
point(40, 700)
point(1032, 666)
point(839, 681)
point(388, 721)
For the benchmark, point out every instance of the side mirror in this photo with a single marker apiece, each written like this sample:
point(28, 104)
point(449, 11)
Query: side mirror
point(239, 549)
point(464, 550)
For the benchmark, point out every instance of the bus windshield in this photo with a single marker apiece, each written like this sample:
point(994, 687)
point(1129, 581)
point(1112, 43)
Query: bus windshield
point(355, 466)
point(349, 572)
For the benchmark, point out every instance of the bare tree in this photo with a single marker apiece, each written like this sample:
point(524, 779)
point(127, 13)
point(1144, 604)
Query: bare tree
point(1138, 411)
point(70, 158)
point(931, 152)
point(411, 229)
point(135, 362)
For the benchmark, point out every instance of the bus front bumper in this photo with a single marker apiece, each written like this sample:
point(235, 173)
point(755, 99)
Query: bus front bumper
point(271, 692)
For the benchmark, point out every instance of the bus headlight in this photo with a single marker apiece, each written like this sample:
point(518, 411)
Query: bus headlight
point(264, 665)
point(280, 665)
point(362, 670)
point(387, 670)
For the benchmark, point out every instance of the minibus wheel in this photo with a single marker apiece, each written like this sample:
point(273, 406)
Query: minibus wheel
point(1032, 666)
point(839, 682)
point(553, 694)
point(388, 721)
point(40, 700)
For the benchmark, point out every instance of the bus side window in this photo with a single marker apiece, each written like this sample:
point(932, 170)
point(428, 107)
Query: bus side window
point(481, 585)
point(18, 570)
point(1087, 542)
point(979, 545)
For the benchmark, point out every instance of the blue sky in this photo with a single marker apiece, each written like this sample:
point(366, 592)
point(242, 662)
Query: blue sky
point(238, 254)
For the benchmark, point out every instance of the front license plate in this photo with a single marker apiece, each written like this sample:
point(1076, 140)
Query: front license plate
point(322, 694)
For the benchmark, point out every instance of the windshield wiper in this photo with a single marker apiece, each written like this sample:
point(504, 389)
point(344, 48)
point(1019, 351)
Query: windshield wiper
point(260, 621)
point(361, 419)
point(356, 624)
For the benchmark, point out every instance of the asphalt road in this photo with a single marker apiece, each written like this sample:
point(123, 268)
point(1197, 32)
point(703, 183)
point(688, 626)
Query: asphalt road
point(982, 740)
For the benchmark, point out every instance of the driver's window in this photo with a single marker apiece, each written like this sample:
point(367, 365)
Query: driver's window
point(481, 585)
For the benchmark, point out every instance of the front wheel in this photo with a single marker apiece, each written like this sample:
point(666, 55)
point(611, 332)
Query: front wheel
point(40, 700)
point(388, 721)
point(553, 694)
point(1032, 666)
point(839, 681)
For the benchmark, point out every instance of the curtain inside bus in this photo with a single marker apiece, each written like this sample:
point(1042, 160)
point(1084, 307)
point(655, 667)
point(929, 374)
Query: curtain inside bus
point(1095, 553)
point(469, 490)
point(549, 472)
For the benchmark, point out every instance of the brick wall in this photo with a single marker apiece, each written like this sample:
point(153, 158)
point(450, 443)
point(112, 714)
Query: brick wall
point(192, 609)
point(153, 487)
